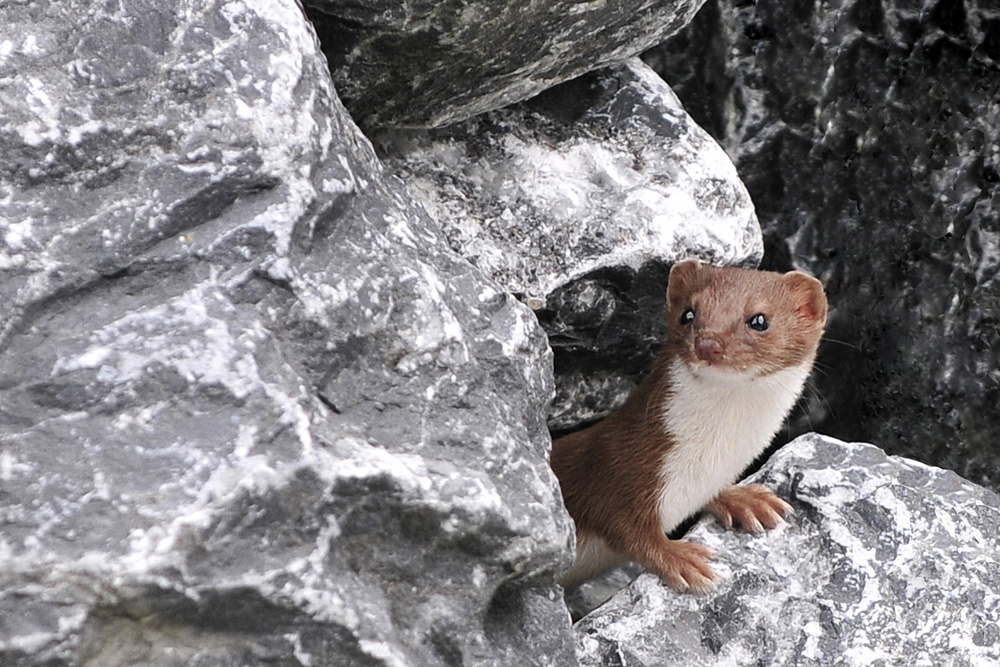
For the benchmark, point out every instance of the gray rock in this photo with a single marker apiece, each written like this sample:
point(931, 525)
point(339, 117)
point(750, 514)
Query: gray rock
point(868, 135)
point(253, 410)
point(578, 201)
point(886, 562)
point(424, 63)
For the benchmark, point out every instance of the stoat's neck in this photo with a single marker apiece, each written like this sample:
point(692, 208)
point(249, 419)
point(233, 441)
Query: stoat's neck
point(719, 425)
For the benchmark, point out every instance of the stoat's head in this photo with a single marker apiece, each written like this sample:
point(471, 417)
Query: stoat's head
point(731, 322)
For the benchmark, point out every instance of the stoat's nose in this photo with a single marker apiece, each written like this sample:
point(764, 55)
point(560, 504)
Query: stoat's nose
point(710, 350)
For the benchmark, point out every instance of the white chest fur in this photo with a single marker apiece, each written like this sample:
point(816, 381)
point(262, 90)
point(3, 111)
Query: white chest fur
point(719, 424)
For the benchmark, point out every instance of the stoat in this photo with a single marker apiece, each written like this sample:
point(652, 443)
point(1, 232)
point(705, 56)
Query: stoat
point(740, 344)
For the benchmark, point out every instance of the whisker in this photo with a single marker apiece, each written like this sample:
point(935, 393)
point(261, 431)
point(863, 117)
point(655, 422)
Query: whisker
point(818, 395)
point(820, 369)
point(827, 339)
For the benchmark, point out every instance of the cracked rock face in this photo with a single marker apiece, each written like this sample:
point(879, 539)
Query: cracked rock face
point(886, 561)
point(252, 409)
point(578, 201)
point(868, 135)
point(424, 63)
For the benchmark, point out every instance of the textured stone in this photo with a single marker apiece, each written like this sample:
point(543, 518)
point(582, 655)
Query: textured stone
point(253, 410)
point(886, 562)
point(578, 201)
point(868, 134)
point(424, 63)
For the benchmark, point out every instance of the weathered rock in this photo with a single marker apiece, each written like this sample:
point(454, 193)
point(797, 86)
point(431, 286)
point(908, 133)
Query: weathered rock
point(579, 200)
point(868, 134)
point(424, 63)
point(886, 562)
point(252, 409)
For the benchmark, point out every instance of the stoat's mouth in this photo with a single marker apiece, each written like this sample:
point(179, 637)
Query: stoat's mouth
point(722, 372)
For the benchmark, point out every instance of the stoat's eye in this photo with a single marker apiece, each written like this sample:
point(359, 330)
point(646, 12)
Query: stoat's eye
point(758, 322)
point(687, 317)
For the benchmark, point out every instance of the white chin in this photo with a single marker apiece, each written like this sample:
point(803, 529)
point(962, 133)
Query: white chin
point(722, 374)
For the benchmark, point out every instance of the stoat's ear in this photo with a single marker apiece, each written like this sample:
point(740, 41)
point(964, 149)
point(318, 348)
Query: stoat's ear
point(682, 275)
point(808, 295)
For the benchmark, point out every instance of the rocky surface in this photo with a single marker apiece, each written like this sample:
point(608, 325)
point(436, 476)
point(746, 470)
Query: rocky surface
point(262, 402)
point(424, 63)
point(253, 409)
point(886, 562)
point(868, 134)
point(579, 201)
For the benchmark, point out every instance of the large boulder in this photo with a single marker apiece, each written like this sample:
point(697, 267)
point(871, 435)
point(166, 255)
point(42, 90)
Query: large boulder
point(253, 409)
point(886, 561)
point(868, 134)
point(425, 63)
point(579, 201)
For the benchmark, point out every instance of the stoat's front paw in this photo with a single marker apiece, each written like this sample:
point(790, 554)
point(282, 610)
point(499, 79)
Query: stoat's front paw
point(683, 566)
point(752, 506)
